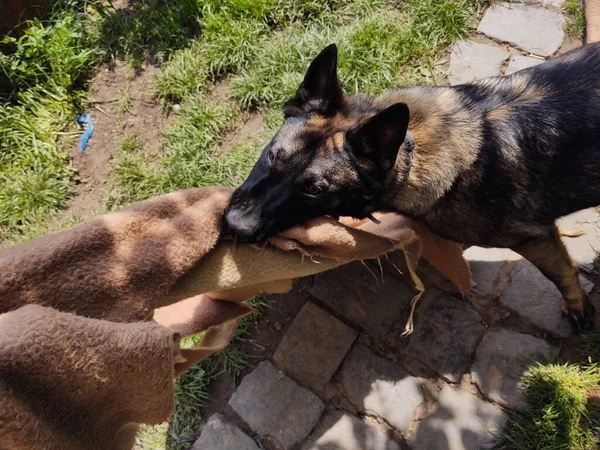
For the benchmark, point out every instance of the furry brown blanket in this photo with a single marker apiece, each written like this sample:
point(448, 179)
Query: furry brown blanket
point(80, 364)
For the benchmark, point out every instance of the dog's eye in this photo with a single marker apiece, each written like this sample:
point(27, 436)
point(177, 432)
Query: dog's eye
point(313, 189)
point(271, 156)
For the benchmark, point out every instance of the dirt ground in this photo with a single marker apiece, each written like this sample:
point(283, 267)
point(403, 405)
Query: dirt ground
point(122, 105)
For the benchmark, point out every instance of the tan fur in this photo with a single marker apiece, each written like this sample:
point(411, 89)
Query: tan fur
point(592, 21)
point(338, 140)
point(501, 113)
point(441, 153)
point(551, 257)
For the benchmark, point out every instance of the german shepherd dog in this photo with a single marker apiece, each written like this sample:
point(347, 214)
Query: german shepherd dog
point(491, 163)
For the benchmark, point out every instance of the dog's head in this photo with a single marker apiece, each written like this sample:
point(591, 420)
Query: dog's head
point(330, 157)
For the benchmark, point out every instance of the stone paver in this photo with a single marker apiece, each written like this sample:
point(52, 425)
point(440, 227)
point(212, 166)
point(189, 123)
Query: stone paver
point(520, 62)
point(470, 61)
point(342, 431)
point(485, 266)
point(363, 298)
point(460, 421)
point(314, 346)
point(531, 28)
point(585, 248)
point(274, 405)
point(445, 335)
point(502, 358)
point(535, 298)
point(379, 386)
point(218, 434)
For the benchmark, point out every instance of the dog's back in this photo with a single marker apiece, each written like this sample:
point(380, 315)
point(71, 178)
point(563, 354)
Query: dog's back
point(539, 157)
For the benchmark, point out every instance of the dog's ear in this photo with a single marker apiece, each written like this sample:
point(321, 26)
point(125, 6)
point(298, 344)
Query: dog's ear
point(320, 91)
point(380, 138)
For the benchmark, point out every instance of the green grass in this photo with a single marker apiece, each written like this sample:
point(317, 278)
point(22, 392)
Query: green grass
point(148, 30)
point(576, 18)
point(40, 91)
point(559, 415)
point(380, 49)
point(188, 157)
point(233, 32)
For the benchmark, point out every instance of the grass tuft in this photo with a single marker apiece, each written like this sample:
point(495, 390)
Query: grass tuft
point(559, 415)
point(576, 18)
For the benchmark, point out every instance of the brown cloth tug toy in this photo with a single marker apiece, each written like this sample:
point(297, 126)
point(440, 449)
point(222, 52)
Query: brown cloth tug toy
point(81, 360)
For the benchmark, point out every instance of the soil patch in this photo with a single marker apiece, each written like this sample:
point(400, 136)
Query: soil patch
point(122, 105)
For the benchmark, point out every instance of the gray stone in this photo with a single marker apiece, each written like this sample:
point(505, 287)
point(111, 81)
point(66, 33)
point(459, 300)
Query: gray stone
point(379, 386)
point(342, 431)
point(555, 3)
point(531, 28)
point(460, 421)
point(583, 249)
point(314, 346)
point(274, 405)
point(535, 298)
point(485, 266)
point(470, 61)
point(445, 335)
point(520, 62)
point(359, 294)
point(218, 434)
point(502, 358)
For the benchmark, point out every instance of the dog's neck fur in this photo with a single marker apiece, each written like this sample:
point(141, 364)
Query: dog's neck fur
point(444, 138)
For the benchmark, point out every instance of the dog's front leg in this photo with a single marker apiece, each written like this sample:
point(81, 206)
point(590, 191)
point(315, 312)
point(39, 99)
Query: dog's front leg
point(550, 256)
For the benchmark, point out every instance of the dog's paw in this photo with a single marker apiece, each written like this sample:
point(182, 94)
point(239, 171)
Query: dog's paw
point(582, 319)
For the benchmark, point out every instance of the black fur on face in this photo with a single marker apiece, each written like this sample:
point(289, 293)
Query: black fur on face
point(324, 160)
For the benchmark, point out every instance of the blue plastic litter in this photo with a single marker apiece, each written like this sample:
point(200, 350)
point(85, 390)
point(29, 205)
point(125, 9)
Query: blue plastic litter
point(85, 119)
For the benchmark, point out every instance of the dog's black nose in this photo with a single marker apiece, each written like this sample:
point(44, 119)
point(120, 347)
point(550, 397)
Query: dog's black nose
point(242, 226)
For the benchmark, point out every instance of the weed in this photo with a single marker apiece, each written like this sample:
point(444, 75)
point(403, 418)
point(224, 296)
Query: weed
point(52, 55)
point(227, 45)
point(152, 437)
